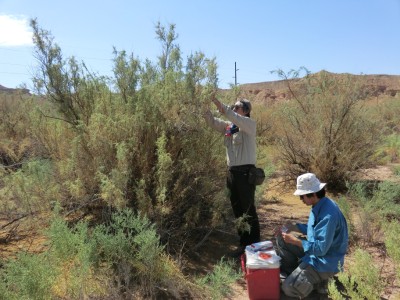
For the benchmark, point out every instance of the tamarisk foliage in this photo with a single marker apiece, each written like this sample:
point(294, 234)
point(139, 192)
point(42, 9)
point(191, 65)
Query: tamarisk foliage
point(135, 140)
point(324, 128)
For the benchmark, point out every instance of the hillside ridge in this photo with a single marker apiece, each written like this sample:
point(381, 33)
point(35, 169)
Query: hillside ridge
point(270, 91)
point(7, 90)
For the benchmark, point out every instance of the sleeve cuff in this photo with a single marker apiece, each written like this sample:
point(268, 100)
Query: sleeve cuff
point(306, 245)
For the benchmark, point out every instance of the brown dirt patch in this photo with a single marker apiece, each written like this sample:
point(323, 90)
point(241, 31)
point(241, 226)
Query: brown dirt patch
point(20, 235)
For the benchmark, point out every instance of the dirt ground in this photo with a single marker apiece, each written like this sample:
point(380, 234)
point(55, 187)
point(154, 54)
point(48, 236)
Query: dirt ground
point(274, 209)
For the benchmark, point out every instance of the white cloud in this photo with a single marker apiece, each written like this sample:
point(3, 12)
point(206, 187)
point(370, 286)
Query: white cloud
point(15, 31)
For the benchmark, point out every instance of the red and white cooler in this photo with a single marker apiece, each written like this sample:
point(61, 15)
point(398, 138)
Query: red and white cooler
point(260, 264)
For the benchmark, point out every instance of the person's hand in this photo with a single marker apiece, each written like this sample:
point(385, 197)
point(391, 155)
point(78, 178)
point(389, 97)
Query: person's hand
point(290, 226)
point(286, 228)
point(291, 239)
point(218, 104)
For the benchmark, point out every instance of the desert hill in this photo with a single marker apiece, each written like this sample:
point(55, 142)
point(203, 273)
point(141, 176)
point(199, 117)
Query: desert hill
point(6, 90)
point(270, 91)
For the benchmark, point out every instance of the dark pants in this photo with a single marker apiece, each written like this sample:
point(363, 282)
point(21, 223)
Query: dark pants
point(242, 201)
point(290, 255)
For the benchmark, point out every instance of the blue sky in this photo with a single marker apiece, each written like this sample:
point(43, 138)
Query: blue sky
point(341, 36)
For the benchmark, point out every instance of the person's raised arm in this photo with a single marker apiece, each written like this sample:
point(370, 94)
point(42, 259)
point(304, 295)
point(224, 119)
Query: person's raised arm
point(219, 105)
point(215, 123)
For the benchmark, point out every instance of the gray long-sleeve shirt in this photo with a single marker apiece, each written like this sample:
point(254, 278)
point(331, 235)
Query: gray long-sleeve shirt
point(240, 146)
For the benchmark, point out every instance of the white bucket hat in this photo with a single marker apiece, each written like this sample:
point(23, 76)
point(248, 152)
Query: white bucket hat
point(308, 183)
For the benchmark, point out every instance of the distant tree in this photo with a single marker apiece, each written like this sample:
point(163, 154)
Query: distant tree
point(324, 128)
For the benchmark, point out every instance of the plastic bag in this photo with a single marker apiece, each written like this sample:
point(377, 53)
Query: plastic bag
point(260, 246)
point(261, 255)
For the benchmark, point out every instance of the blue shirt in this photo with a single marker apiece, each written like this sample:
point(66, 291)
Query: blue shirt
point(327, 237)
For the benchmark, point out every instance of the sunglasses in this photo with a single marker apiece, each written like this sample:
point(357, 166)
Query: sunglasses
point(237, 106)
point(306, 195)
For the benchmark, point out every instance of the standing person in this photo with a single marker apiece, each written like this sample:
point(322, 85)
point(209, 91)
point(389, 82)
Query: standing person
point(310, 262)
point(240, 142)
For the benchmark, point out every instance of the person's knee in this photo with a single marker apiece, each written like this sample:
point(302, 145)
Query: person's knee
point(287, 289)
point(297, 289)
point(298, 284)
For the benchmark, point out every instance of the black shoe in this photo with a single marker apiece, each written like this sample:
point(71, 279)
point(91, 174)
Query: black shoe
point(238, 252)
point(322, 287)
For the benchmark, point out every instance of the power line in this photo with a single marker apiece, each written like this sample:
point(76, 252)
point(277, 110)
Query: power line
point(14, 73)
point(11, 64)
point(15, 50)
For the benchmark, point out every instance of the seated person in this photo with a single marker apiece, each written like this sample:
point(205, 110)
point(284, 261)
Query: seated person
point(309, 262)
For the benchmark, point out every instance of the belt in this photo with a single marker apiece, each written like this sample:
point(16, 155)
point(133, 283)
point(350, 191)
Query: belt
point(242, 168)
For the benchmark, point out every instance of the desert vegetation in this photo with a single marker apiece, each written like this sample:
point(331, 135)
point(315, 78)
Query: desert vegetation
point(120, 178)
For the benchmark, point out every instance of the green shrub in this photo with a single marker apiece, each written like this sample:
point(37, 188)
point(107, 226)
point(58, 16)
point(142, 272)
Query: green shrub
point(358, 281)
point(136, 140)
point(392, 242)
point(376, 202)
point(218, 282)
point(15, 123)
point(345, 207)
point(30, 189)
point(72, 253)
point(130, 246)
point(333, 291)
point(396, 170)
point(29, 276)
point(388, 113)
point(384, 201)
point(388, 151)
point(324, 129)
point(125, 257)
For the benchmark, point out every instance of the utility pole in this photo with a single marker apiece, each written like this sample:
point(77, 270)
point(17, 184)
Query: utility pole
point(236, 74)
